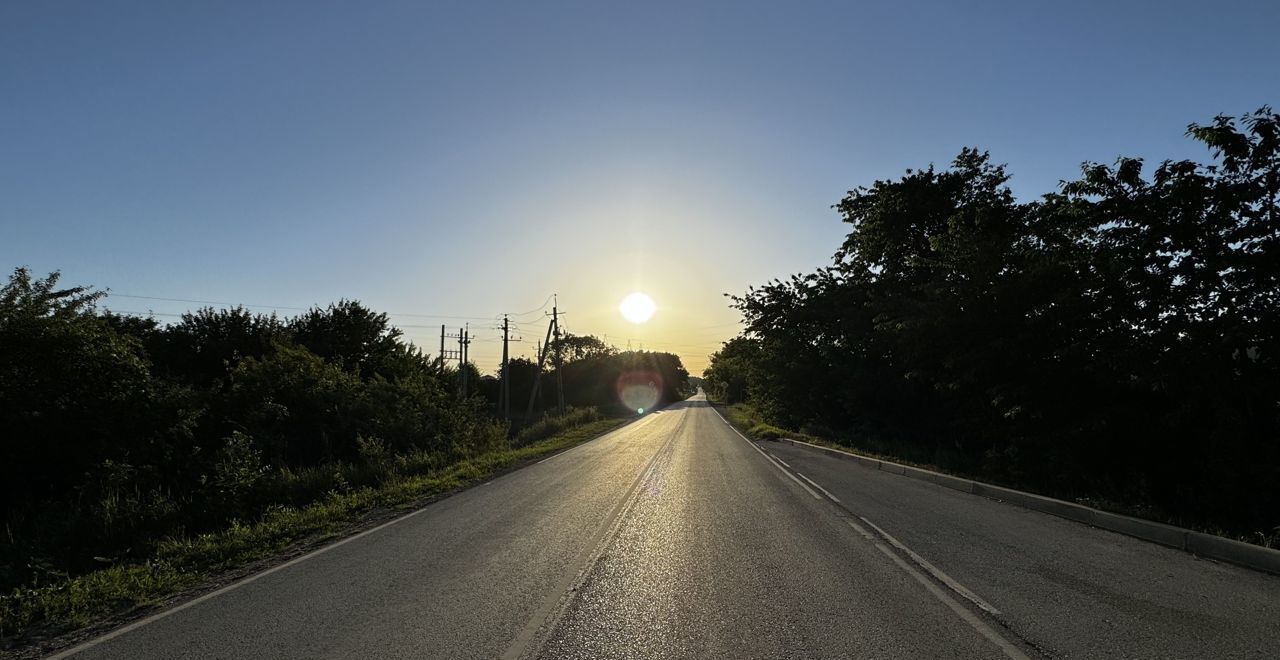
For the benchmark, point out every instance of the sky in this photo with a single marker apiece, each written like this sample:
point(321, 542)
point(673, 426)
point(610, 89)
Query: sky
point(448, 162)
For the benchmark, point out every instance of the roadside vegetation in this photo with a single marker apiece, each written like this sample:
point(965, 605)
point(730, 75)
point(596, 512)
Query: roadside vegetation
point(139, 458)
point(181, 562)
point(1116, 341)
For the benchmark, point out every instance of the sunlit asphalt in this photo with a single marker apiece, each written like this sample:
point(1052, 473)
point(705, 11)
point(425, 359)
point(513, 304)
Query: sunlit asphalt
point(676, 538)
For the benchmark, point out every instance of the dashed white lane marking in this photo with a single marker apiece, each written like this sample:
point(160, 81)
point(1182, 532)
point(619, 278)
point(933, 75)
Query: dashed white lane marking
point(1008, 648)
point(767, 457)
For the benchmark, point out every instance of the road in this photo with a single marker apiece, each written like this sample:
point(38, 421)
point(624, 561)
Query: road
point(674, 537)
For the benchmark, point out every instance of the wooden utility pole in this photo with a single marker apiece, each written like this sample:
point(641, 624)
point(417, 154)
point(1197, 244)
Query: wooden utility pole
point(462, 385)
point(543, 348)
point(555, 323)
point(462, 362)
point(441, 349)
point(504, 392)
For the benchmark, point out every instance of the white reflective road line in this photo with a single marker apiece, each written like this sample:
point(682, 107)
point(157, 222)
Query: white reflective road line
point(767, 457)
point(1008, 648)
point(831, 497)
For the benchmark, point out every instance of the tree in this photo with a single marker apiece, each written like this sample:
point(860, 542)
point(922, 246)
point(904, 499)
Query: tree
point(205, 346)
point(574, 348)
point(1116, 338)
point(348, 334)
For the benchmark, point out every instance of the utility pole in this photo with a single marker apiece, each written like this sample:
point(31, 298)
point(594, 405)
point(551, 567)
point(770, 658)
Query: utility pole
point(555, 323)
point(537, 391)
point(466, 356)
point(460, 355)
point(462, 373)
point(464, 340)
point(543, 349)
point(441, 349)
point(505, 391)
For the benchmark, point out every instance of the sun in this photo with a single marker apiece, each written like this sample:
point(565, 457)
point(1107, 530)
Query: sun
point(637, 307)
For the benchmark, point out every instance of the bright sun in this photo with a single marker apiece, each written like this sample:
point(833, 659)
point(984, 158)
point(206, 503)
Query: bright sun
point(637, 307)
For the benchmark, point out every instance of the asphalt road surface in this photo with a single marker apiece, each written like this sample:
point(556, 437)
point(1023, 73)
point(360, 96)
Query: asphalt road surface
point(674, 537)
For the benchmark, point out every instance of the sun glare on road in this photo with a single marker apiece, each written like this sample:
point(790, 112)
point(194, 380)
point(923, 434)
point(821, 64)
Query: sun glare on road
point(637, 307)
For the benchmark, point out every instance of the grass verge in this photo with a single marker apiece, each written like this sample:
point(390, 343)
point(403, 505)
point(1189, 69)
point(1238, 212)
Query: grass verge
point(32, 613)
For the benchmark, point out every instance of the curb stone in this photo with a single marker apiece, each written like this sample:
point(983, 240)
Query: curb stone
point(1205, 545)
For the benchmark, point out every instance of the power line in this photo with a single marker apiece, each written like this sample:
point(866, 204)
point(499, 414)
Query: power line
point(203, 302)
point(148, 313)
point(287, 307)
point(473, 338)
point(540, 307)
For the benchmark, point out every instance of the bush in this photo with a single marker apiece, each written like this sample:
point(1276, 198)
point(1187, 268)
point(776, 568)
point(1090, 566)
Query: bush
point(550, 425)
point(1115, 339)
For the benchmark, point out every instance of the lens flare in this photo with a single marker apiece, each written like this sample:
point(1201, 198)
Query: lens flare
point(637, 307)
point(639, 390)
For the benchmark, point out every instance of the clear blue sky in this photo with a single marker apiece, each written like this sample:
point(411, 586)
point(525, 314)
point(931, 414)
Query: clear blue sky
point(470, 158)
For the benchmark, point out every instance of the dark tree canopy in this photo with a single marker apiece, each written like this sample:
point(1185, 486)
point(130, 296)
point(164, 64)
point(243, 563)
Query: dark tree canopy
point(1116, 338)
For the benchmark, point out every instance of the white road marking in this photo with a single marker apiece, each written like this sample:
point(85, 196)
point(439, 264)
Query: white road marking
point(768, 457)
point(831, 497)
point(628, 425)
point(1008, 648)
point(256, 576)
point(934, 571)
point(231, 587)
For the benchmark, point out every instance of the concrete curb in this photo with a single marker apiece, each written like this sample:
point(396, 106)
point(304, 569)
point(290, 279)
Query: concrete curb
point(1198, 543)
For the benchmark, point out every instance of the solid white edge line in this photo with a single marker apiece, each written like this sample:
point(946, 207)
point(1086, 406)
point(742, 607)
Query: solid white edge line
point(767, 457)
point(1009, 649)
point(934, 571)
point(230, 587)
point(831, 497)
point(66, 653)
point(809, 490)
point(558, 454)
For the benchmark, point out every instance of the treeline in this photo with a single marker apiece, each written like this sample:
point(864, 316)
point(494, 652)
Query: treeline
point(1116, 339)
point(593, 374)
point(119, 431)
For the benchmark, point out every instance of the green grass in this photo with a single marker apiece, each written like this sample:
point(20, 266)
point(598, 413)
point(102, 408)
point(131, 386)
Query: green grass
point(550, 425)
point(185, 562)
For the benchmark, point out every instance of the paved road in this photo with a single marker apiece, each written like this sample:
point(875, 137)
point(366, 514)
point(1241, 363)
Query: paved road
point(674, 538)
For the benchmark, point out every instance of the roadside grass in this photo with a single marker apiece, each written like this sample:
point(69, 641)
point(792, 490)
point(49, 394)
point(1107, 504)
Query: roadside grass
point(552, 424)
point(183, 562)
point(755, 426)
